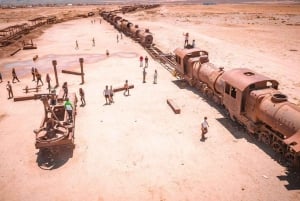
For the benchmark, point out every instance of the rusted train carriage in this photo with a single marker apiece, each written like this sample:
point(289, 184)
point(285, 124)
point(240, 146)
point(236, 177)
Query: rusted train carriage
point(143, 36)
point(250, 98)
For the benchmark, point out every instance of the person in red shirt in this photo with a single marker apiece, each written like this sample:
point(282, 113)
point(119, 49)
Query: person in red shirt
point(141, 61)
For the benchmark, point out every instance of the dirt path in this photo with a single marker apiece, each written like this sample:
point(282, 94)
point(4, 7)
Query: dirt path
point(137, 148)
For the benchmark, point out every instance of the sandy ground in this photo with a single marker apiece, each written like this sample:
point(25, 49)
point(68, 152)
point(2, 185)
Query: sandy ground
point(137, 148)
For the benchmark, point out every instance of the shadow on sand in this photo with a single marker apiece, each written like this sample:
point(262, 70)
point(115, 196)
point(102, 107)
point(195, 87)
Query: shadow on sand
point(46, 160)
point(239, 132)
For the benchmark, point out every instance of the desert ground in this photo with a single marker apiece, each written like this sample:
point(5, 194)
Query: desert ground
point(137, 148)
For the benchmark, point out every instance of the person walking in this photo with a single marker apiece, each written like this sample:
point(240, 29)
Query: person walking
point(111, 95)
point(14, 75)
point(82, 97)
point(146, 62)
point(117, 38)
point(93, 42)
point(204, 128)
point(0, 77)
point(126, 88)
point(48, 80)
point(106, 95)
point(144, 75)
point(121, 36)
point(69, 108)
point(77, 46)
point(38, 79)
point(33, 74)
point(155, 77)
point(9, 90)
point(65, 88)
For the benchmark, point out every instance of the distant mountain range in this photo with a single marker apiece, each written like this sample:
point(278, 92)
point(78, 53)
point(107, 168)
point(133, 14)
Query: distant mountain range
point(45, 2)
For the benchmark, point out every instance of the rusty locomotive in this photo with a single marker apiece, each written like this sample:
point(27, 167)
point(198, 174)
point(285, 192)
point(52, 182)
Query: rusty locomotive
point(251, 99)
point(143, 36)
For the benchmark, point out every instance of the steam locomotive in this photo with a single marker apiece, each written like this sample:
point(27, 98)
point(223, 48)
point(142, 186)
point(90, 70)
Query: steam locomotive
point(251, 99)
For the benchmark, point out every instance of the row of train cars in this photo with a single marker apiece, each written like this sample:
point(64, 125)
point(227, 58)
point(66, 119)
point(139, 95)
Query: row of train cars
point(253, 100)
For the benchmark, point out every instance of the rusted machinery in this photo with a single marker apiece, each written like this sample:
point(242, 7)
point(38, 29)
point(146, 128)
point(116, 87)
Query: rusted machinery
point(250, 98)
point(143, 36)
point(56, 132)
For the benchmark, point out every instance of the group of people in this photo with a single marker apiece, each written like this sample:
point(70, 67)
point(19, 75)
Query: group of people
point(118, 37)
point(77, 45)
point(109, 95)
point(141, 59)
point(37, 77)
point(186, 41)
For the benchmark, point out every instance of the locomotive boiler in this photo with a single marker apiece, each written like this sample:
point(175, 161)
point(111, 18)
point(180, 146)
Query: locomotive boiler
point(250, 98)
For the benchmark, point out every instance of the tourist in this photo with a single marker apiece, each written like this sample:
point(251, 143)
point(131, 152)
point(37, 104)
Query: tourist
point(204, 127)
point(33, 74)
point(106, 95)
point(9, 90)
point(146, 61)
point(38, 79)
point(48, 80)
point(186, 40)
point(14, 75)
point(126, 88)
point(155, 77)
point(82, 97)
point(65, 88)
point(144, 75)
point(141, 61)
point(69, 108)
point(111, 95)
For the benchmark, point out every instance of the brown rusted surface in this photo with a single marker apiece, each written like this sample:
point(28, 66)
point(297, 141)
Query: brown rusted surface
point(24, 98)
point(246, 77)
point(122, 88)
point(283, 117)
point(174, 106)
point(58, 113)
point(71, 72)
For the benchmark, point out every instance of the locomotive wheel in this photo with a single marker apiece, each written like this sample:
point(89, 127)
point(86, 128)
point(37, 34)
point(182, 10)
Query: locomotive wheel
point(278, 148)
point(290, 157)
point(265, 138)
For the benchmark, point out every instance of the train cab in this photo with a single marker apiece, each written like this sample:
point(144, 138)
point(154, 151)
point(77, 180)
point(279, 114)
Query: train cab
point(238, 83)
point(186, 57)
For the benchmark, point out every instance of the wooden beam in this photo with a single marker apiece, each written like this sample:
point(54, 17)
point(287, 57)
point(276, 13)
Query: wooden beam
point(71, 72)
point(15, 52)
point(122, 88)
point(173, 105)
point(24, 98)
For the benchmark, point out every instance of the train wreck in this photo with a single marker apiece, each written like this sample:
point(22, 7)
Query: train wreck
point(254, 100)
point(56, 132)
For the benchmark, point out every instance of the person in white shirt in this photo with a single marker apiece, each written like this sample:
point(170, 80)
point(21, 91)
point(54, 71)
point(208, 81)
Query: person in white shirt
point(106, 94)
point(204, 127)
